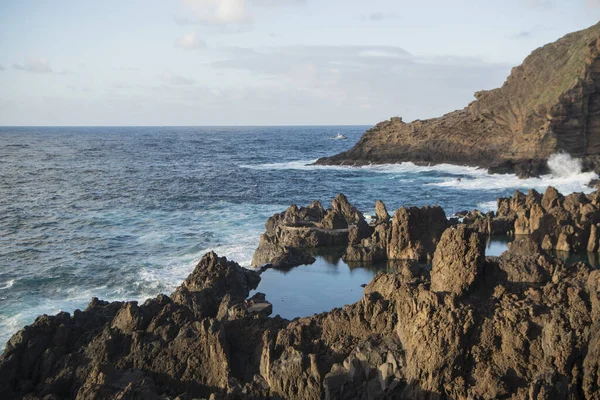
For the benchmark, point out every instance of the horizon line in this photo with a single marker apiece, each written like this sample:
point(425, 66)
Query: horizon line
point(179, 126)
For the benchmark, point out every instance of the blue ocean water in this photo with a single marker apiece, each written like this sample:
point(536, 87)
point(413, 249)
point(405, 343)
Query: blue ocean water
point(125, 213)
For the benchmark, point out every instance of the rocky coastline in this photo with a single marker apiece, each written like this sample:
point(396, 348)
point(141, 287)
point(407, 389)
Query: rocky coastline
point(522, 325)
point(549, 104)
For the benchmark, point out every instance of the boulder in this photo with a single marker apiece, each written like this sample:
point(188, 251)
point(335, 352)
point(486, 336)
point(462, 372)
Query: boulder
point(458, 261)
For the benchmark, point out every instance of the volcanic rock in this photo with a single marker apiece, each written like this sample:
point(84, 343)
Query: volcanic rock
point(381, 213)
point(289, 234)
point(548, 104)
point(522, 325)
point(554, 221)
point(457, 261)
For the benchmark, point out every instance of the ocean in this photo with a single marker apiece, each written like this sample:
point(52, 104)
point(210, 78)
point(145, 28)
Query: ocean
point(124, 213)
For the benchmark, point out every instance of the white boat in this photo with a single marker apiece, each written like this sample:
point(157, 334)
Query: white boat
point(339, 136)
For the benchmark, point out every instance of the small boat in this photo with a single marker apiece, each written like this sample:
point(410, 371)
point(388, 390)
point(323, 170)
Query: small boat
point(339, 136)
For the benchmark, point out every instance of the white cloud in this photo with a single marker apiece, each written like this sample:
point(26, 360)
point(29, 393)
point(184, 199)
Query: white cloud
point(175, 79)
point(1, 67)
point(370, 81)
point(219, 11)
point(190, 41)
point(380, 16)
point(37, 65)
point(227, 12)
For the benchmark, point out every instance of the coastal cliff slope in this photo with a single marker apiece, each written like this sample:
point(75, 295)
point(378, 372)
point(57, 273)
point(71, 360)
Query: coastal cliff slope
point(548, 104)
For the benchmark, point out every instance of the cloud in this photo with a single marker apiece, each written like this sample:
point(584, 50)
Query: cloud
point(38, 65)
point(190, 41)
point(175, 79)
point(133, 69)
point(1, 67)
point(218, 11)
point(227, 12)
point(371, 82)
point(593, 3)
point(380, 16)
point(539, 3)
point(523, 35)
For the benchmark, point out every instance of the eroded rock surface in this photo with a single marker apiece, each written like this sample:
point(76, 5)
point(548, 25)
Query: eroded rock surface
point(523, 325)
point(458, 260)
point(296, 229)
point(555, 222)
point(411, 234)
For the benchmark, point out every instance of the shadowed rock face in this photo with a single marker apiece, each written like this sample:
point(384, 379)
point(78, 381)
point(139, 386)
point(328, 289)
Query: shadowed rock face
point(411, 234)
point(290, 232)
point(522, 326)
point(550, 103)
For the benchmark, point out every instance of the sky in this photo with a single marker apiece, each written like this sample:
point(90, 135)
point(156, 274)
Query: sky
point(263, 62)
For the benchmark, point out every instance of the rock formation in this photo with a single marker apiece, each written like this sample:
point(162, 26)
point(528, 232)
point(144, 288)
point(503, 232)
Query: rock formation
point(411, 234)
point(522, 326)
point(458, 261)
point(555, 222)
point(548, 104)
point(290, 232)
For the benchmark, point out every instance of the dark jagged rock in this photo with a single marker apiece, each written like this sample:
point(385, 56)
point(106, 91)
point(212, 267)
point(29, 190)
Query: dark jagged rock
point(548, 104)
point(522, 325)
point(554, 221)
point(381, 213)
point(412, 234)
point(289, 233)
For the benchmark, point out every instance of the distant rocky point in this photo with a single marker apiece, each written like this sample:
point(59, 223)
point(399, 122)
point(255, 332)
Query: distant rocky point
point(548, 104)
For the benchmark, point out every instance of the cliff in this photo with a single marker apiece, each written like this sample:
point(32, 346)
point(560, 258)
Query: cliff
point(548, 104)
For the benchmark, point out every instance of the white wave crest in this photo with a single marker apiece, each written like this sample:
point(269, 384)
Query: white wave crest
point(565, 175)
point(488, 206)
point(562, 164)
point(405, 167)
point(8, 284)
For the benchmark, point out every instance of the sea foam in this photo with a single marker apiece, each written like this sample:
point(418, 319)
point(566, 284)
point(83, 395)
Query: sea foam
point(565, 175)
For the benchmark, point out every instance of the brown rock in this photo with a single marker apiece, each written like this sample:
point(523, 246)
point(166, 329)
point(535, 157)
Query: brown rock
point(548, 104)
point(415, 232)
point(457, 261)
point(342, 206)
point(333, 220)
point(381, 213)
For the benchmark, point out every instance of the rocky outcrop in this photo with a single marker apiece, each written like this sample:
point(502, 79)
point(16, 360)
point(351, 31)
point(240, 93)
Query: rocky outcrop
point(458, 261)
point(521, 325)
point(555, 222)
point(412, 234)
point(289, 233)
point(548, 104)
